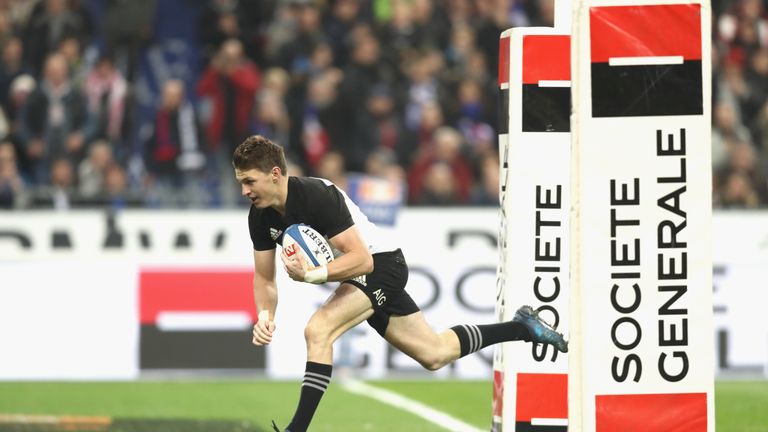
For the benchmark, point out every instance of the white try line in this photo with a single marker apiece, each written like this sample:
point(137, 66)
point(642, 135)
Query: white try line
point(414, 407)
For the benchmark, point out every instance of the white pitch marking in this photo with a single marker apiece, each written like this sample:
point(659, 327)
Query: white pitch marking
point(645, 61)
point(414, 407)
point(554, 83)
point(549, 422)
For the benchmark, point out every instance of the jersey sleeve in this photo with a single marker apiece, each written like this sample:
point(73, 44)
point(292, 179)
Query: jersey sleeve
point(258, 230)
point(333, 215)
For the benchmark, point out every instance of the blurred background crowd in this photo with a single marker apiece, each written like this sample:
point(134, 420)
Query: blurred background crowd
point(139, 103)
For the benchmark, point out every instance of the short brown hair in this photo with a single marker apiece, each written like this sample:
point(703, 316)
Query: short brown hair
point(258, 152)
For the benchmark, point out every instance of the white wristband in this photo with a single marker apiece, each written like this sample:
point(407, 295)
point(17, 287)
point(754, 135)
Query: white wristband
point(316, 275)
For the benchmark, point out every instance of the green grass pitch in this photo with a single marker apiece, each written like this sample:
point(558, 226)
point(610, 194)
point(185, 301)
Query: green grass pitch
point(740, 405)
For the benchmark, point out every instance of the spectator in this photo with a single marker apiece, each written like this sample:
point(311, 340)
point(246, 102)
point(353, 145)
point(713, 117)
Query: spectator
point(59, 193)
point(322, 59)
point(756, 77)
point(544, 15)
point(72, 50)
point(745, 160)
point(432, 27)
point(233, 19)
point(294, 54)
point(486, 192)
point(432, 118)
point(360, 75)
point(127, 30)
point(423, 89)
point(117, 195)
point(460, 50)
point(439, 188)
point(343, 16)
point(173, 155)
point(760, 128)
point(106, 91)
point(726, 128)
point(55, 21)
point(382, 163)
point(55, 120)
point(272, 118)
point(493, 18)
point(473, 113)
point(738, 192)
point(744, 25)
point(331, 167)
point(446, 148)
point(231, 83)
point(6, 28)
point(20, 12)
point(398, 34)
point(12, 66)
point(380, 127)
point(322, 124)
point(21, 87)
point(92, 170)
point(12, 186)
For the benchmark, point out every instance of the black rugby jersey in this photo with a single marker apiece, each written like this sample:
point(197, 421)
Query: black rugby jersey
point(318, 203)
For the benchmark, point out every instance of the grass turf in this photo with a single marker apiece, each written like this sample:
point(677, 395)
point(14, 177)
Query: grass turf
point(740, 406)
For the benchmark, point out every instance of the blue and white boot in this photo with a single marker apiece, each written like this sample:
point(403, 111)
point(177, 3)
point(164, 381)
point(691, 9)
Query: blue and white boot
point(540, 331)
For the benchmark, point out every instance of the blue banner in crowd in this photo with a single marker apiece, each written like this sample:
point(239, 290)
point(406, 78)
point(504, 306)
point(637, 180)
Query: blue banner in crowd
point(379, 199)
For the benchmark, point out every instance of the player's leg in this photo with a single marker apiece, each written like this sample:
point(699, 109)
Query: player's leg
point(397, 317)
point(412, 335)
point(344, 309)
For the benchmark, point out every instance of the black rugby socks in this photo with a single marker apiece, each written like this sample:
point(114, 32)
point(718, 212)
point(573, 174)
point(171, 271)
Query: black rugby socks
point(316, 380)
point(476, 337)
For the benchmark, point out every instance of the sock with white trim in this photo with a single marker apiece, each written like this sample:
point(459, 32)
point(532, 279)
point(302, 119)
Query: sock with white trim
point(476, 337)
point(316, 380)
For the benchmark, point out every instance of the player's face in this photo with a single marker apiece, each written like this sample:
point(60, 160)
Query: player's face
point(259, 187)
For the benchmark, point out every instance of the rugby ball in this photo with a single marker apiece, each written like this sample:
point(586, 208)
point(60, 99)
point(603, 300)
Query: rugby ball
point(300, 238)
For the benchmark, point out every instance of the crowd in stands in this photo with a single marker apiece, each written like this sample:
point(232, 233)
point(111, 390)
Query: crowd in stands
point(403, 90)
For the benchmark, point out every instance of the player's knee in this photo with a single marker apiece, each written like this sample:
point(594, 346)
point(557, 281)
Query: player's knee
point(432, 361)
point(316, 333)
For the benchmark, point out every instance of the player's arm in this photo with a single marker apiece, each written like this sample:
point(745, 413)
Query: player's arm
point(264, 295)
point(355, 261)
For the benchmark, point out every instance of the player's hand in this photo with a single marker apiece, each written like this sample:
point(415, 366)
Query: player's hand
point(262, 331)
point(295, 265)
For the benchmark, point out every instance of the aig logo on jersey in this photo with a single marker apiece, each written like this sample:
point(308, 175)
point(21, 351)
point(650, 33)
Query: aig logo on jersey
point(380, 297)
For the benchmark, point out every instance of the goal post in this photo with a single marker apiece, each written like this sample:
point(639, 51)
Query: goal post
point(530, 381)
point(615, 202)
point(642, 350)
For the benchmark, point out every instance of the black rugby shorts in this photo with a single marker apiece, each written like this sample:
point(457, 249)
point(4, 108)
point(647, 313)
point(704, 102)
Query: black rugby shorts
point(385, 288)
